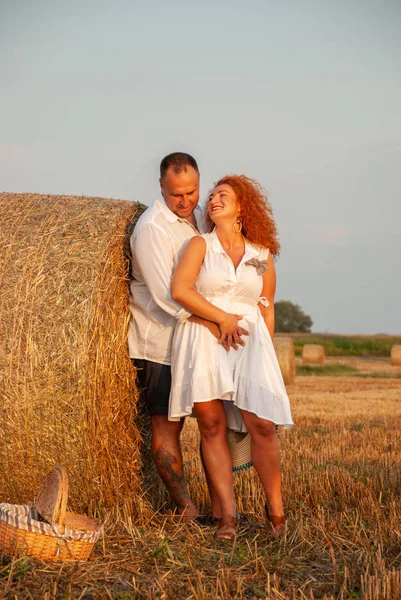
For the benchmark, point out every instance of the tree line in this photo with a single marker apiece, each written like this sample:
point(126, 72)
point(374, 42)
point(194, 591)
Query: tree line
point(290, 318)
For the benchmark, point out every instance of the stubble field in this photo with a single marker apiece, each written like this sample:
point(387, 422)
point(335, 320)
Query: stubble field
point(341, 485)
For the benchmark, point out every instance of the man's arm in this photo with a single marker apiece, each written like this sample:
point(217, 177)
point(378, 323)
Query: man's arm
point(153, 259)
point(215, 330)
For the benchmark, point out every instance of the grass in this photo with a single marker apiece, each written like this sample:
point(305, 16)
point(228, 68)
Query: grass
point(342, 488)
point(347, 345)
point(379, 375)
point(333, 370)
point(340, 370)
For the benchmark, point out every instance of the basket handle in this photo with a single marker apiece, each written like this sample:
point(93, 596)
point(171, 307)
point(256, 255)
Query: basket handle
point(64, 494)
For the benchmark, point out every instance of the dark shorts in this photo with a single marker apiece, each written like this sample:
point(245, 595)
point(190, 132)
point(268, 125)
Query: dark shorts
point(154, 381)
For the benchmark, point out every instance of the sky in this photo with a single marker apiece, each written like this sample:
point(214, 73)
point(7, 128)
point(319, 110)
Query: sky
point(302, 95)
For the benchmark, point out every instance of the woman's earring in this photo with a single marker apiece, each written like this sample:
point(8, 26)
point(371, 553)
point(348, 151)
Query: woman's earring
point(237, 226)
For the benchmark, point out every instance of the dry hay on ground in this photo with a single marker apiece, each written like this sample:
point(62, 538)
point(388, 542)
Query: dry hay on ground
point(396, 355)
point(312, 354)
point(342, 493)
point(284, 347)
point(67, 385)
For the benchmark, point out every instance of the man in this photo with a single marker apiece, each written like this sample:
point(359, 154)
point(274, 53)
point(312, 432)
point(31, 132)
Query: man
point(158, 238)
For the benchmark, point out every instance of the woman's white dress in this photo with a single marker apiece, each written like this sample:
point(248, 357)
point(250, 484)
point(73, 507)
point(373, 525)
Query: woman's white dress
point(202, 370)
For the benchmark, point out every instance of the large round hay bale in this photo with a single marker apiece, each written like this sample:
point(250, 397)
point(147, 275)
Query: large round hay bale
point(68, 392)
point(313, 354)
point(284, 347)
point(396, 355)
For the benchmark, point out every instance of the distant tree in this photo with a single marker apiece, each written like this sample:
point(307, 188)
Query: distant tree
point(291, 318)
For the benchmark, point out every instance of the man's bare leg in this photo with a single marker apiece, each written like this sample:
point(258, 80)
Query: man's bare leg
point(167, 456)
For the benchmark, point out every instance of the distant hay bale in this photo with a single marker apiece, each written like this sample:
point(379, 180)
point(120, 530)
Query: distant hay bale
point(396, 355)
point(284, 347)
point(68, 391)
point(313, 354)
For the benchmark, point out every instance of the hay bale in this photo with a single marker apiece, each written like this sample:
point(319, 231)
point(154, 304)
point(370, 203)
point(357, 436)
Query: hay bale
point(396, 355)
point(284, 347)
point(313, 354)
point(68, 390)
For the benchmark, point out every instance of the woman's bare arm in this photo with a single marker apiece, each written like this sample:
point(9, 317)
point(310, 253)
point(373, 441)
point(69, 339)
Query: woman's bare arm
point(269, 291)
point(183, 291)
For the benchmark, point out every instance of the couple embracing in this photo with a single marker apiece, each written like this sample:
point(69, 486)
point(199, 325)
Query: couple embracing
point(201, 329)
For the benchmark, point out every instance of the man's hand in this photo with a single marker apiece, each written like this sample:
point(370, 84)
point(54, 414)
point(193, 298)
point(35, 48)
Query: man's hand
point(240, 331)
point(236, 336)
point(231, 332)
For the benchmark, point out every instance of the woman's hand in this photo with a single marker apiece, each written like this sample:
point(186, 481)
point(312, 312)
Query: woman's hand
point(231, 332)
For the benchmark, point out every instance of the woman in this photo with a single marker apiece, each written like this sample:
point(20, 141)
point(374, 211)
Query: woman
point(227, 276)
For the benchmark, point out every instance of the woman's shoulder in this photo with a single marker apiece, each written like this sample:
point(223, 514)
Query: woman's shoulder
point(197, 243)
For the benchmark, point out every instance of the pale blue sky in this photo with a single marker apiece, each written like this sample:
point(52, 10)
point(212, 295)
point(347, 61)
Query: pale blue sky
point(302, 95)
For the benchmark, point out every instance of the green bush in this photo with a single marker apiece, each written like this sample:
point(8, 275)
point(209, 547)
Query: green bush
point(342, 345)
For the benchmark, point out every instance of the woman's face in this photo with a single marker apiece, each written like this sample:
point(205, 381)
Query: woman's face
point(223, 204)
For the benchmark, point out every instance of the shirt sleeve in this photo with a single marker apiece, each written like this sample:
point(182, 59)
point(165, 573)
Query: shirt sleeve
point(153, 261)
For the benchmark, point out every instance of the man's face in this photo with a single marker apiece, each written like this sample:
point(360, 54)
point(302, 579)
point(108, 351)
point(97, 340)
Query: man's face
point(181, 191)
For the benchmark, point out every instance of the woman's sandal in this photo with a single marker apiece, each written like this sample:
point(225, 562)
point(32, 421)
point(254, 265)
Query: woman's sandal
point(227, 529)
point(278, 523)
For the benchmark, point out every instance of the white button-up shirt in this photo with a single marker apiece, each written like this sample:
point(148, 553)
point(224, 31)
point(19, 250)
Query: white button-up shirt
point(156, 244)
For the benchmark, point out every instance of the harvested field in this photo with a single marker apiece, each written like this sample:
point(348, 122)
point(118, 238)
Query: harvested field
point(342, 488)
point(364, 367)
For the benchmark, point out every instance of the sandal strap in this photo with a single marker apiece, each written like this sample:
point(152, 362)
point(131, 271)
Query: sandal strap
point(227, 529)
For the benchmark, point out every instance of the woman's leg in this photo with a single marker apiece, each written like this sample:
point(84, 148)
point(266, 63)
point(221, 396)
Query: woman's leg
point(214, 500)
point(211, 419)
point(266, 459)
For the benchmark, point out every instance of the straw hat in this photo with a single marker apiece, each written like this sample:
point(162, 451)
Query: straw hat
point(239, 445)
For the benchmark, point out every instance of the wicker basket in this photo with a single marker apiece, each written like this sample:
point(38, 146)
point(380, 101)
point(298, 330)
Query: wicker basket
point(22, 530)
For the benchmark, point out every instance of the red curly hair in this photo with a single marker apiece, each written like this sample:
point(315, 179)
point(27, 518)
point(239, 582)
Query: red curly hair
point(258, 225)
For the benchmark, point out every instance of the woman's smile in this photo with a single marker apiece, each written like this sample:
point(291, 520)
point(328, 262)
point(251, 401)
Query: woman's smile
point(214, 207)
point(223, 199)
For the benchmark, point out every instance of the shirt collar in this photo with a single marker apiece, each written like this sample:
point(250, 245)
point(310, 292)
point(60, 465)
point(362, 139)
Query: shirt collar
point(250, 249)
point(172, 217)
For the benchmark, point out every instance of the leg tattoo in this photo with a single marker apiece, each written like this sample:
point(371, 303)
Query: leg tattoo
point(172, 475)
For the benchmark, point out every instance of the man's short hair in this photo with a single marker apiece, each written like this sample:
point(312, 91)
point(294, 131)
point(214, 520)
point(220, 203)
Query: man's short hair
point(178, 161)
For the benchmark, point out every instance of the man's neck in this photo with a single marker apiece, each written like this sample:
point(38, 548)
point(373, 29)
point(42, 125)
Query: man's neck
point(191, 219)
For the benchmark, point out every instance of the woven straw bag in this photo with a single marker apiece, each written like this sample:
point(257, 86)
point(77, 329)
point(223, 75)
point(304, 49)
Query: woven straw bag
point(239, 445)
point(63, 536)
